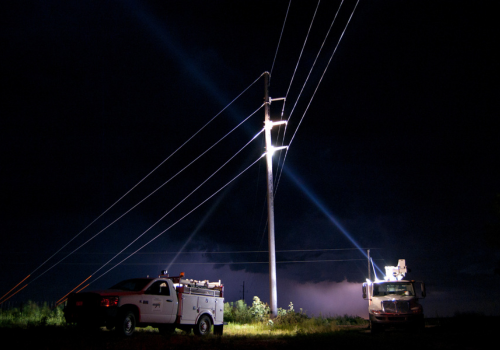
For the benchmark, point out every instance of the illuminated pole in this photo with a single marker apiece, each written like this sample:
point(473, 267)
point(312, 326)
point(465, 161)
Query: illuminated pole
point(273, 295)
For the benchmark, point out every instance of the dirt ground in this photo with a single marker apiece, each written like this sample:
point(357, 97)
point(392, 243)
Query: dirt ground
point(443, 334)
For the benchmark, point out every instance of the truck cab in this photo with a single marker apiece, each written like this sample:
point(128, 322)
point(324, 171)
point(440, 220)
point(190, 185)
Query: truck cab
point(394, 301)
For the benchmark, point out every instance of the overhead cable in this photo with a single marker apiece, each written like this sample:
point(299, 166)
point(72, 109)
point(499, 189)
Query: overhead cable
point(137, 184)
point(150, 194)
point(279, 41)
point(317, 86)
point(289, 87)
point(182, 218)
point(240, 251)
point(321, 79)
point(301, 51)
point(5, 295)
point(229, 262)
point(182, 201)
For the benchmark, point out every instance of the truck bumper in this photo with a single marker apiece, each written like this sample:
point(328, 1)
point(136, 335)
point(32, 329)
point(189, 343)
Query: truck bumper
point(99, 316)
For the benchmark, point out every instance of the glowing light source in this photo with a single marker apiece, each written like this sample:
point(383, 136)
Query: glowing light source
point(273, 149)
point(109, 301)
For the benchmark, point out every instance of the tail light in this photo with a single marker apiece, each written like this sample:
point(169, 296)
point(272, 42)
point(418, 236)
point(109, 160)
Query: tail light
point(109, 301)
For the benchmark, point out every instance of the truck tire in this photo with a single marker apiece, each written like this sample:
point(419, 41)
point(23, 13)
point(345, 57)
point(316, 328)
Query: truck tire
point(202, 328)
point(126, 324)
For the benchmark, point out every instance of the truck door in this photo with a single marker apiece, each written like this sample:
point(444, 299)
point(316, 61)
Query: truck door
point(159, 304)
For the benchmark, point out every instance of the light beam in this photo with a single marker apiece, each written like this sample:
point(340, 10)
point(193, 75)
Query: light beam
point(322, 207)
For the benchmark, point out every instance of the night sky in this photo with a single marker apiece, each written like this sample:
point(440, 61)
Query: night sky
point(397, 149)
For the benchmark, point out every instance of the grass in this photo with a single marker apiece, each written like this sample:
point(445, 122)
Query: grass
point(40, 327)
point(301, 325)
point(31, 314)
point(242, 320)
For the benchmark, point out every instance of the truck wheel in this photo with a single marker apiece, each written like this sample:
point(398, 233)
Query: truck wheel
point(126, 324)
point(203, 326)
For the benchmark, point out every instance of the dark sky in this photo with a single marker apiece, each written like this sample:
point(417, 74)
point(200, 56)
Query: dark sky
point(398, 150)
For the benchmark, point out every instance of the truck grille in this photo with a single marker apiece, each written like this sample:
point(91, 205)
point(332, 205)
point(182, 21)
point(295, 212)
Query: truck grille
point(396, 306)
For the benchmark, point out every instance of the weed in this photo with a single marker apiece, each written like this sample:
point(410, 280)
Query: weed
point(30, 315)
point(256, 320)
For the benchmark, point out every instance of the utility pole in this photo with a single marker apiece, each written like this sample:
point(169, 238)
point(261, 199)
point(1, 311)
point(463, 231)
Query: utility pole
point(273, 294)
point(244, 292)
point(268, 125)
point(369, 271)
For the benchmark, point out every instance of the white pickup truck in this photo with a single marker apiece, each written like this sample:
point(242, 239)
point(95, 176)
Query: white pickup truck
point(165, 302)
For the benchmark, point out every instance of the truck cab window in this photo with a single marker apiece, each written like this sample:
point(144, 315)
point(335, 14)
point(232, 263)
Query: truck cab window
point(393, 288)
point(158, 288)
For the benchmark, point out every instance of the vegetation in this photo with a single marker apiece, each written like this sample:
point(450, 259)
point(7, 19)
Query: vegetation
point(31, 314)
point(245, 320)
point(242, 319)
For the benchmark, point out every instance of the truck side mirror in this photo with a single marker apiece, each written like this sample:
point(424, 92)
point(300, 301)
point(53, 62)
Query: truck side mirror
point(422, 287)
point(364, 291)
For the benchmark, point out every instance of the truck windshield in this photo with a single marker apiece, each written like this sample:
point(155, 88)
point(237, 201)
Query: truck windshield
point(134, 285)
point(399, 288)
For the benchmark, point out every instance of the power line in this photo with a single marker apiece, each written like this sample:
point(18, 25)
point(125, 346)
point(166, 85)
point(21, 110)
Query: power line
point(157, 189)
point(142, 234)
point(197, 132)
point(182, 218)
point(321, 79)
point(145, 177)
point(224, 263)
point(303, 86)
point(315, 60)
point(241, 251)
point(14, 288)
point(300, 55)
point(279, 41)
point(317, 86)
point(300, 94)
